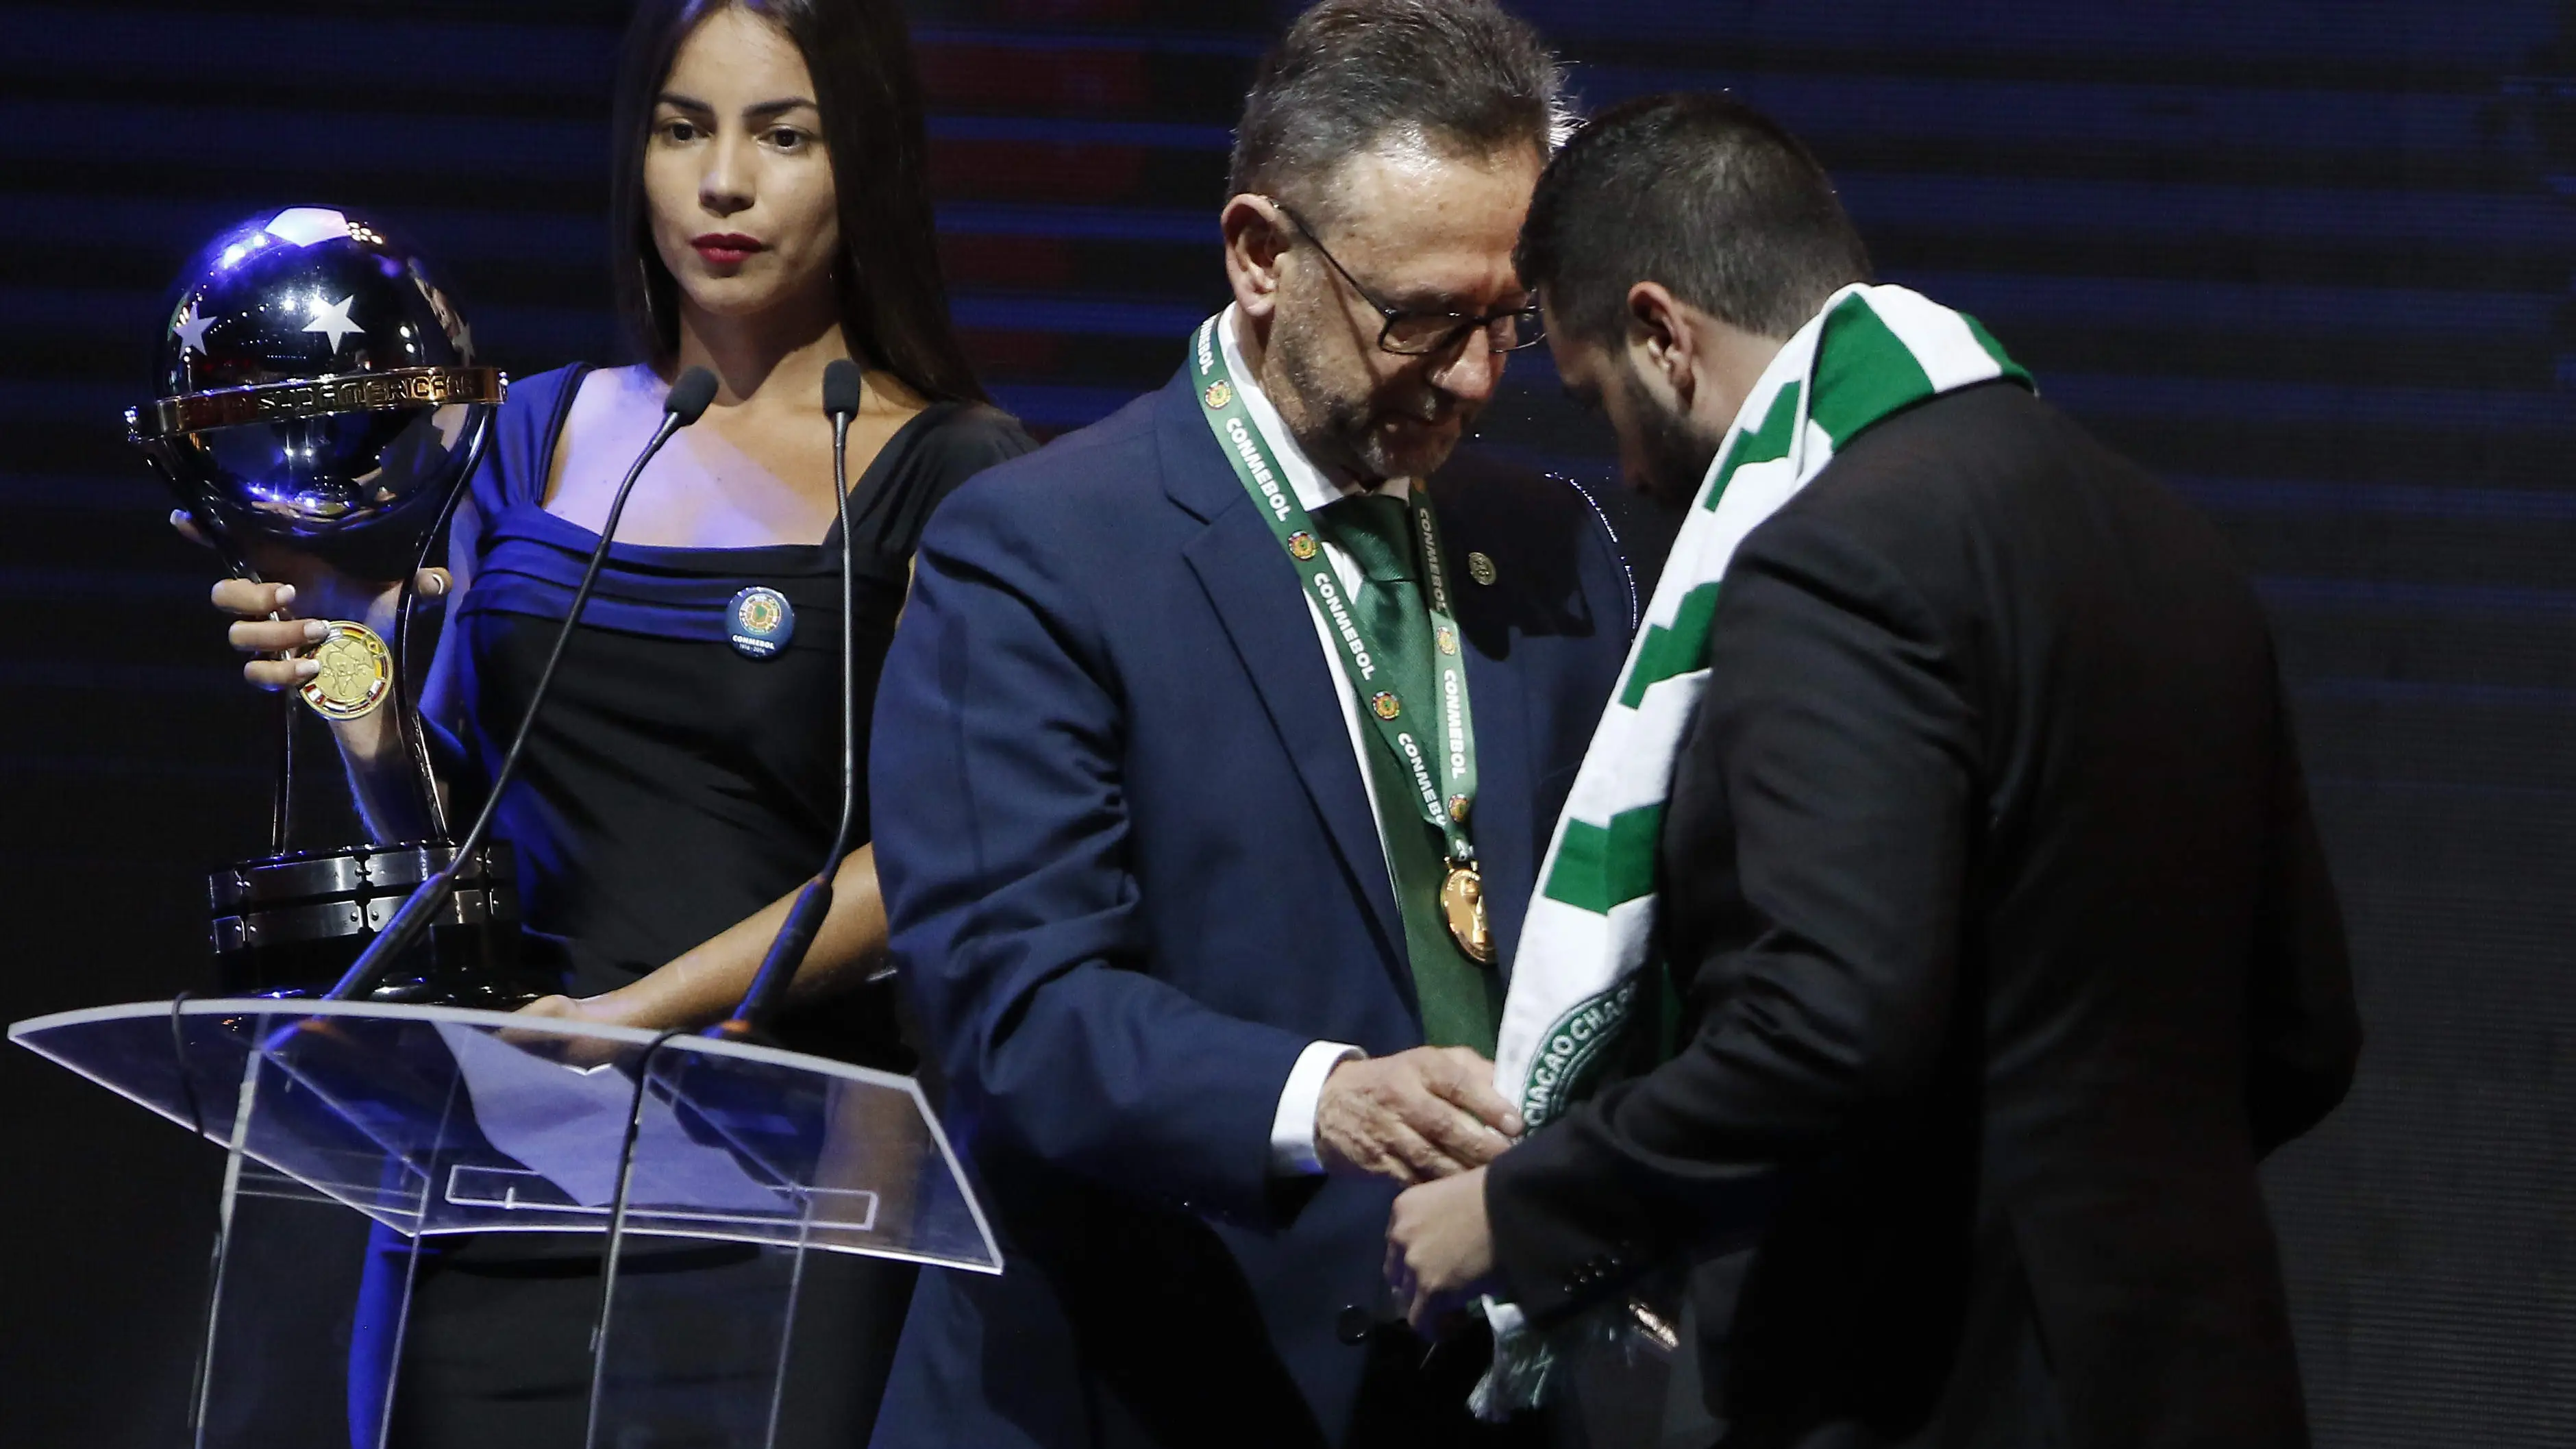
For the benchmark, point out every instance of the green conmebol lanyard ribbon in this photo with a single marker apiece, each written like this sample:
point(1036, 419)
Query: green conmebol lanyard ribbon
point(1445, 790)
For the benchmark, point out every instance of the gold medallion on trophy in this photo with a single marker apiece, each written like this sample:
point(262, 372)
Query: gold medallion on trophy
point(357, 672)
point(1462, 904)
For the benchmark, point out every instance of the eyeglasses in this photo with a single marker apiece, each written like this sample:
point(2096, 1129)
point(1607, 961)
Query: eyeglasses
point(1422, 334)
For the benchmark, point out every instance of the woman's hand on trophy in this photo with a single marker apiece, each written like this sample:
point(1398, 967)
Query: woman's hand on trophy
point(280, 618)
point(267, 625)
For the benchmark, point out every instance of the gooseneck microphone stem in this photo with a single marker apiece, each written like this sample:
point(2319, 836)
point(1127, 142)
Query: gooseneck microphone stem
point(760, 1004)
point(687, 401)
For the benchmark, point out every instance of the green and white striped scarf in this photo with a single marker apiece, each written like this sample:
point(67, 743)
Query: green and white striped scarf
point(1584, 947)
point(1871, 352)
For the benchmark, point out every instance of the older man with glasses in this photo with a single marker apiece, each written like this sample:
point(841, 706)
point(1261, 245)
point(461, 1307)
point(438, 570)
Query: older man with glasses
point(1212, 767)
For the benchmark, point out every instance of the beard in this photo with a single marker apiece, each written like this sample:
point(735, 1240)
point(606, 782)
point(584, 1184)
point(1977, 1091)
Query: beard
point(1341, 414)
point(1674, 452)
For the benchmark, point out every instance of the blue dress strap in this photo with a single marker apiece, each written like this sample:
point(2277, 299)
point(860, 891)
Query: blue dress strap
point(513, 472)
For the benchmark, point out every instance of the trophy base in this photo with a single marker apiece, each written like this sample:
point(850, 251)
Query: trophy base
point(289, 925)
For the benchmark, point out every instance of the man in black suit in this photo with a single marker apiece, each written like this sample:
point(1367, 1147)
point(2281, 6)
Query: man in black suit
point(1987, 876)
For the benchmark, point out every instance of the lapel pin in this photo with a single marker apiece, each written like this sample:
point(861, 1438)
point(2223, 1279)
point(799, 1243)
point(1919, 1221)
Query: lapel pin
point(763, 622)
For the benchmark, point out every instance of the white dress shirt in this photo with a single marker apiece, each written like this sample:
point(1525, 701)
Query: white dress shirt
point(1292, 1128)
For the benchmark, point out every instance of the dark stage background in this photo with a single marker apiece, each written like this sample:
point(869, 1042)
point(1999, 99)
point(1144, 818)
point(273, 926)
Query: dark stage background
point(2313, 262)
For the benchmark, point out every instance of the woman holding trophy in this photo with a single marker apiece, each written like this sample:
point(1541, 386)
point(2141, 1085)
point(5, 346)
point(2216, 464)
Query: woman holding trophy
point(772, 216)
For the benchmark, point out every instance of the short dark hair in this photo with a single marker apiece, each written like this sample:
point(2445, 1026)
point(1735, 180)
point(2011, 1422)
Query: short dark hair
point(894, 302)
point(1701, 193)
point(1464, 76)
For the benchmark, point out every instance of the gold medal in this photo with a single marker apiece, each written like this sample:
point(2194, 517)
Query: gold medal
point(1462, 904)
point(357, 672)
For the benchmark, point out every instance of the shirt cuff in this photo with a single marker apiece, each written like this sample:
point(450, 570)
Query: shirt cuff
point(1292, 1130)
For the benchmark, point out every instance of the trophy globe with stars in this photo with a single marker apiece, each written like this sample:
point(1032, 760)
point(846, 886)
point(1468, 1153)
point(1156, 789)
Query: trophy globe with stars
point(318, 395)
point(318, 391)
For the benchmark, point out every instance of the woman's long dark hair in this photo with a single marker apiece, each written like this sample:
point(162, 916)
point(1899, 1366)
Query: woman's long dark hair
point(894, 304)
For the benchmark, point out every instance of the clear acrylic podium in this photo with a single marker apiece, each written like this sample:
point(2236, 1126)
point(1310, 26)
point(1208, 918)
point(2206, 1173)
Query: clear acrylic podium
point(354, 1129)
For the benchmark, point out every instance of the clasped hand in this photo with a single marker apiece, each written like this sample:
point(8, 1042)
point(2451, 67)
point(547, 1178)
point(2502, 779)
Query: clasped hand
point(1428, 1118)
point(1416, 1116)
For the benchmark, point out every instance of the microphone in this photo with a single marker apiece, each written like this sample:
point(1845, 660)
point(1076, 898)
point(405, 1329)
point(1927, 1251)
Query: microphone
point(687, 402)
point(750, 1020)
point(841, 392)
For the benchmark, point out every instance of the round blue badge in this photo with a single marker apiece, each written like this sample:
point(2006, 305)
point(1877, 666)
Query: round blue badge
point(762, 622)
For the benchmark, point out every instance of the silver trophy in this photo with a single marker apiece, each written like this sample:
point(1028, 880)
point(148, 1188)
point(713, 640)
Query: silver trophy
point(318, 394)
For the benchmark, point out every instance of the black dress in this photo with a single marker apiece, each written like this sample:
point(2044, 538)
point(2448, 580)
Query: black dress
point(674, 786)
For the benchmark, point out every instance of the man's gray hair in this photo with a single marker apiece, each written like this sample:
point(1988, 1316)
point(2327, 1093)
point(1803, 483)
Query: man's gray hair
point(1458, 77)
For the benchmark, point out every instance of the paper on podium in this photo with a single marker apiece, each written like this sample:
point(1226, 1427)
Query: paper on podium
point(442, 1120)
point(567, 1124)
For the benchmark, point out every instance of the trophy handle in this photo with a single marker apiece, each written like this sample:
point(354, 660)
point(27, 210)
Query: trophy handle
point(406, 713)
point(281, 810)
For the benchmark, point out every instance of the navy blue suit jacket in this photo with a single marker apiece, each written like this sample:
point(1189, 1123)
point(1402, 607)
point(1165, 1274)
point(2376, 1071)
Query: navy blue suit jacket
point(1132, 871)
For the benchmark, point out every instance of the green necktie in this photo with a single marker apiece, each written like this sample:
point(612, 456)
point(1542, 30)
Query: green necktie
point(1462, 1002)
